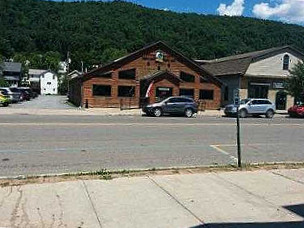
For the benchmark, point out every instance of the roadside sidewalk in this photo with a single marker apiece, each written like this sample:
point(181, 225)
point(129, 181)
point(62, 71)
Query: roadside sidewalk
point(273, 198)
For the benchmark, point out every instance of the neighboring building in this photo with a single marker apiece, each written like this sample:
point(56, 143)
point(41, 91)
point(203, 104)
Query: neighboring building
point(259, 74)
point(126, 80)
point(34, 79)
point(48, 83)
point(63, 67)
point(12, 73)
point(74, 74)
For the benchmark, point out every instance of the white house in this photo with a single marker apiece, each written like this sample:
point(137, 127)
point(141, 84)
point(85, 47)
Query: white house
point(48, 83)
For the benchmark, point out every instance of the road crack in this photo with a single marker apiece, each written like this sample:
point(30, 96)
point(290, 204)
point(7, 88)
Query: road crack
point(7, 196)
point(61, 211)
point(91, 202)
point(202, 223)
point(14, 214)
point(277, 207)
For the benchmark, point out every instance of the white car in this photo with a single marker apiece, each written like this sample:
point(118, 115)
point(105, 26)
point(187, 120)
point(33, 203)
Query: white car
point(253, 107)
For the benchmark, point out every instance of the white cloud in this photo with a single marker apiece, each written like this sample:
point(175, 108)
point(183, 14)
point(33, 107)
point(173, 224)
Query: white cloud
point(235, 9)
point(285, 10)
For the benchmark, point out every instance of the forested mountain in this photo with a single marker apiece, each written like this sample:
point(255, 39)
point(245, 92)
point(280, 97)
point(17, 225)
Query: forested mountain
point(98, 32)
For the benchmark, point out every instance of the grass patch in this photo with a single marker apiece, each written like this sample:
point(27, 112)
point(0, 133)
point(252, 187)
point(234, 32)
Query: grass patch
point(104, 174)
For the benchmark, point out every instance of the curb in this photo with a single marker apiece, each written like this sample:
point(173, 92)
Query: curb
point(246, 167)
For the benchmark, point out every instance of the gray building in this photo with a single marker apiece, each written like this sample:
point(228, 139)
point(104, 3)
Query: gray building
point(11, 72)
point(259, 74)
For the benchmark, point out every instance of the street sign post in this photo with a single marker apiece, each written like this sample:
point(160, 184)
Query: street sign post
point(236, 99)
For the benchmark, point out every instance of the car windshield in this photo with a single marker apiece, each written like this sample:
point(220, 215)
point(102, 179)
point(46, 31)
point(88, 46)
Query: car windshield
point(244, 101)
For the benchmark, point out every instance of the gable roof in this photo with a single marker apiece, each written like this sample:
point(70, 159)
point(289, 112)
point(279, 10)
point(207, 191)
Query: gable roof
point(238, 64)
point(137, 54)
point(49, 71)
point(36, 71)
point(11, 66)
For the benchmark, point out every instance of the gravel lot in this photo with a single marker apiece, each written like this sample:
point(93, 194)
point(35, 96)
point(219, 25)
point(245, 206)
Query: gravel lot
point(44, 102)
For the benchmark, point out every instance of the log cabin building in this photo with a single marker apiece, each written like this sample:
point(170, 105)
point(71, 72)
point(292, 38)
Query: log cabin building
point(125, 81)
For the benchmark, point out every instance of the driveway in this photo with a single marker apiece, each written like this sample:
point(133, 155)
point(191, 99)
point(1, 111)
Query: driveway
point(45, 102)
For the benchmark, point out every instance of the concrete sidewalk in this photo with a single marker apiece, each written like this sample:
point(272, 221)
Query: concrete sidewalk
point(232, 199)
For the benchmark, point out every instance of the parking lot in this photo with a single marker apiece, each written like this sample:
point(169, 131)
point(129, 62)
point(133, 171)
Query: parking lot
point(43, 102)
point(39, 144)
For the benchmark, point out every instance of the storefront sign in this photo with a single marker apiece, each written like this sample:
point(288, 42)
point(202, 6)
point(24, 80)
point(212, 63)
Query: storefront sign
point(278, 85)
point(159, 57)
point(163, 89)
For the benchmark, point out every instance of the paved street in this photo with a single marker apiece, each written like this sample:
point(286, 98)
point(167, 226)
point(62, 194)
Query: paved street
point(39, 144)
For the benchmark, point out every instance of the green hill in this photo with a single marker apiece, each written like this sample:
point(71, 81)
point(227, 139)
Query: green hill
point(97, 32)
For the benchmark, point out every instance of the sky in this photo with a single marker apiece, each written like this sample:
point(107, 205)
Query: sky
point(288, 11)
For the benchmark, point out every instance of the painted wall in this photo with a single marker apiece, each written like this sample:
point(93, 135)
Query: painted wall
point(233, 83)
point(272, 66)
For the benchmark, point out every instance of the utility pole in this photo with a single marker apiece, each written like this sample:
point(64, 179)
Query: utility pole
point(238, 137)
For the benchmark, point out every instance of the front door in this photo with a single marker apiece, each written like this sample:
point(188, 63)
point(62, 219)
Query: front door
point(281, 99)
point(163, 93)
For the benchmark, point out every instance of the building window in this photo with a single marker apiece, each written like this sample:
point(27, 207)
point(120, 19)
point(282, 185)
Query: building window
point(203, 80)
point(206, 94)
point(286, 62)
point(126, 91)
point(187, 77)
point(186, 92)
point(102, 90)
point(127, 74)
point(226, 93)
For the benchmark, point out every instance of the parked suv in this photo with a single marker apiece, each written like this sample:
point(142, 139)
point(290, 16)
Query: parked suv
point(254, 107)
point(172, 105)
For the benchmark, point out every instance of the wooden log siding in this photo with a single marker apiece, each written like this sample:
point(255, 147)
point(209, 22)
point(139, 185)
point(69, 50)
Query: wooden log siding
point(144, 66)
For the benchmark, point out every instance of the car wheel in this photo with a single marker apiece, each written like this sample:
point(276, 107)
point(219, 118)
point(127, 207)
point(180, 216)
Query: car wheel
point(5, 104)
point(157, 112)
point(269, 114)
point(243, 113)
point(188, 112)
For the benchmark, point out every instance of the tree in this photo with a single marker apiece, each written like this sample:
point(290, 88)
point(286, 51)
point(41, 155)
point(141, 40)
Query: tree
point(63, 85)
point(3, 83)
point(295, 83)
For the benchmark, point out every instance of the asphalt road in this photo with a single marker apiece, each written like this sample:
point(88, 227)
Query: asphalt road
point(31, 144)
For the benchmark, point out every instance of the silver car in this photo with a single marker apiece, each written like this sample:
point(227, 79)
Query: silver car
point(253, 107)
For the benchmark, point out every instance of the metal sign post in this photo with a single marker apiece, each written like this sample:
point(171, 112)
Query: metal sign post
point(237, 103)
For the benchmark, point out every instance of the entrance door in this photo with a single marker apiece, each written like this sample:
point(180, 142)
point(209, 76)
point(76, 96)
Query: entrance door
point(163, 93)
point(281, 99)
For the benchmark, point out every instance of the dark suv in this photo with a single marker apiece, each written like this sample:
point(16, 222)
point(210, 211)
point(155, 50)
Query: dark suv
point(172, 105)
